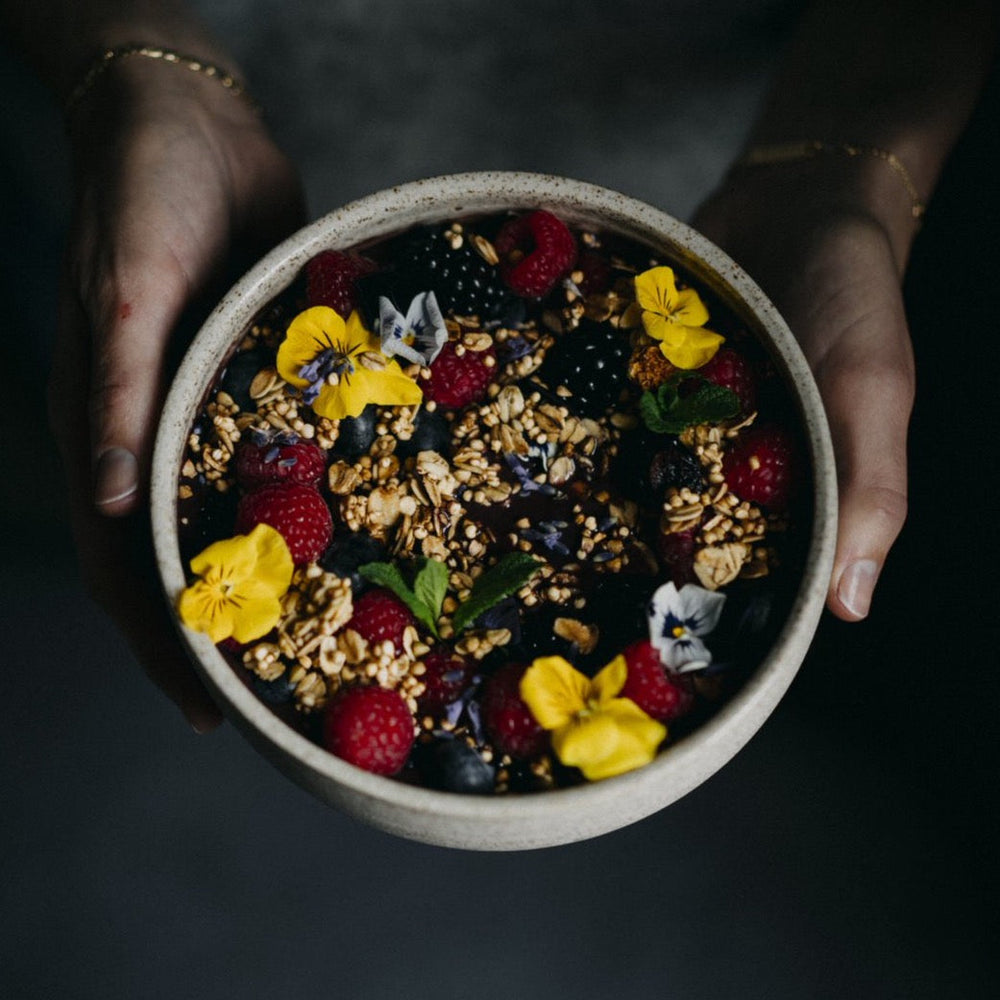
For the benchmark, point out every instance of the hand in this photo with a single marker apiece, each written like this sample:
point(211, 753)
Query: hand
point(172, 173)
point(827, 243)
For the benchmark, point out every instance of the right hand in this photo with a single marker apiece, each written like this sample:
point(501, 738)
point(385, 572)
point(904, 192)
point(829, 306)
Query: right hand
point(172, 173)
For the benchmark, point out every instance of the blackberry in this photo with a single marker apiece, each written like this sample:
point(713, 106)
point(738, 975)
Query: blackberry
point(463, 282)
point(591, 362)
point(676, 467)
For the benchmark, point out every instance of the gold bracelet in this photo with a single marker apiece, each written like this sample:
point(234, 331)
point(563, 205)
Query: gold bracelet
point(101, 64)
point(807, 149)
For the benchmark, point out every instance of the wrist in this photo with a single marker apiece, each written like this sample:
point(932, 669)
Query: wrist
point(812, 184)
point(116, 58)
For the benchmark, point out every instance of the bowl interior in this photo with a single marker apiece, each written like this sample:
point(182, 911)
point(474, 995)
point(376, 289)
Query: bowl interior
point(553, 817)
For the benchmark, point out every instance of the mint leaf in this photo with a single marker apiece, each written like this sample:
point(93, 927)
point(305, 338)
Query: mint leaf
point(669, 411)
point(508, 576)
point(431, 584)
point(387, 575)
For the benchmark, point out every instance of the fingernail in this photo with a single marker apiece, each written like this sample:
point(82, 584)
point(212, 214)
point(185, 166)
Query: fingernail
point(857, 583)
point(117, 477)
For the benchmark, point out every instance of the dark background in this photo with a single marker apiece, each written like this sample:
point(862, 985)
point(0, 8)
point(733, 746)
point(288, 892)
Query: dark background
point(846, 852)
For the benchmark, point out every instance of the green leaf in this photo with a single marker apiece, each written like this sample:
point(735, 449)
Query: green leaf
point(667, 411)
point(431, 584)
point(511, 573)
point(387, 575)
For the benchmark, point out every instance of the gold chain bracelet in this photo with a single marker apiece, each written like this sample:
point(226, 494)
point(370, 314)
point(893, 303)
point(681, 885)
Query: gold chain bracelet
point(235, 86)
point(807, 149)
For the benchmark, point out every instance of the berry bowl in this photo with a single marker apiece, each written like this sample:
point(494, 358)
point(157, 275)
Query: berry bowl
point(496, 509)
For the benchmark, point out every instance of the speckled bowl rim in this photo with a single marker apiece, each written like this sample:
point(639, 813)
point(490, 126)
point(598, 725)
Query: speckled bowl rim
point(518, 821)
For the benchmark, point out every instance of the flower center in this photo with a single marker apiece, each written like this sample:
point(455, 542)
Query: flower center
point(326, 368)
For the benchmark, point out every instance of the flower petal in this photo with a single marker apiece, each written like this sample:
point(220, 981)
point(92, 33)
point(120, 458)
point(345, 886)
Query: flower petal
point(392, 328)
point(682, 655)
point(242, 581)
point(554, 691)
point(656, 290)
point(618, 739)
point(700, 608)
point(610, 680)
point(200, 608)
point(254, 616)
point(688, 346)
point(310, 332)
point(690, 310)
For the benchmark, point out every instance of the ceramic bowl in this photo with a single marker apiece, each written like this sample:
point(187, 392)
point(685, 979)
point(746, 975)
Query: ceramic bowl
point(515, 821)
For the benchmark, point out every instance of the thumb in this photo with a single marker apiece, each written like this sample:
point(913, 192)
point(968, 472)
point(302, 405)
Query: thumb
point(867, 385)
point(131, 316)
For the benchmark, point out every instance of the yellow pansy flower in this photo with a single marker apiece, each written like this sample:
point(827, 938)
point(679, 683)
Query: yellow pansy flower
point(340, 367)
point(240, 586)
point(592, 728)
point(676, 318)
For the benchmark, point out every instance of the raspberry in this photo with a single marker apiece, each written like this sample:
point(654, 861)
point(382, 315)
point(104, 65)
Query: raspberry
point(331, 279)
point(535, 251)
point(591, 362)
point(379, 615)
point(732, 370)
point(676, 551)
point(297, 512)
point(445, 677)
point(659, 695)
point(273, 462)
point(459, 379)
point(760, 466)
point(370, 727)
point(507, 719)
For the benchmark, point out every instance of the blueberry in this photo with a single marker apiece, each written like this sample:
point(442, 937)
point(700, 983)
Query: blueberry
point(276, 692)
point(241, 371)
point(356, 434)
point(432, 433)
point(451, 765)
point(348, 551)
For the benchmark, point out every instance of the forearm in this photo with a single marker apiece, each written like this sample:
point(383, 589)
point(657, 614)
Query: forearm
point(61, 38)
point(897, 75)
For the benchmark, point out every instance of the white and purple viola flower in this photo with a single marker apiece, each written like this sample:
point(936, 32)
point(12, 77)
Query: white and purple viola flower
point(678, 620)
point(417, 336)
